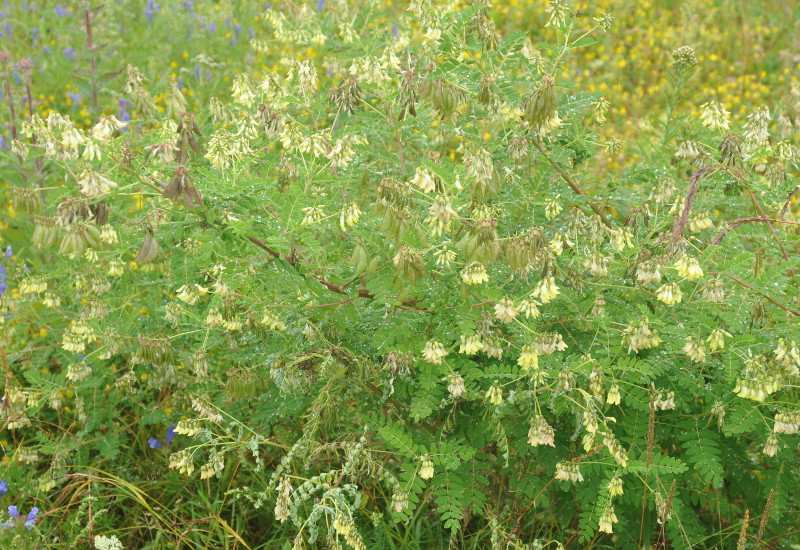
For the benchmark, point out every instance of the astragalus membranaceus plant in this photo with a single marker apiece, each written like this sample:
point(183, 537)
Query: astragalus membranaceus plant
point(379, 296)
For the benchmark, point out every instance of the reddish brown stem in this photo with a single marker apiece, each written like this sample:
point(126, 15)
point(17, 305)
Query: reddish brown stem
point(572, 183)
point(736, 223)
point(772, 229)
point(741, 282)
point(38, 161)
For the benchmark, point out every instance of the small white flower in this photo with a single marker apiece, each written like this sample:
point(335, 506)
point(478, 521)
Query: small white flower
point(504, 311)
point(434, 352)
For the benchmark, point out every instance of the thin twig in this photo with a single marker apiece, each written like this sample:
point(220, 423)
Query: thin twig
point(788, 200)
point(687, 206)
point(736, 223)
point(741, 282)
point(566, 177)
point(772, 229)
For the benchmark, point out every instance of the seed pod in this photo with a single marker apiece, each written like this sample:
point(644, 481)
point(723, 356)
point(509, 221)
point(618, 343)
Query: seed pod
point(540, 109)
point(409, 263)
point(485, 91)
point(242, 383)
point(149, 249)
point(443, 97)
point(181, 189)
point(187, 129)
point(730, 150)
point(26, 200)
point(45, 232)
point(481, 243)
point(359, 260)
point(79, 237)
point(347, 95)
point(156, 352)
point(99, 211)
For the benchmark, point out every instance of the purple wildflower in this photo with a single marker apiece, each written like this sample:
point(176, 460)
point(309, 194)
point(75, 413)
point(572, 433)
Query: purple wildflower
point(213, 27)
point(151, 9)
point(395, 32)
point(59, 10)
point(320, 5)
point(156, 444)
point(30, 521)
point(70, 53)
point(3, 488)
point(124, 116)
point(9, 251)
point(47, 50)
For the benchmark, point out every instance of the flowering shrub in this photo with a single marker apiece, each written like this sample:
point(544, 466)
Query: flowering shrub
point(377, 295)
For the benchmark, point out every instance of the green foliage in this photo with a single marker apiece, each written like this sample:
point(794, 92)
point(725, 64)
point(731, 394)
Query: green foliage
point(379, 296)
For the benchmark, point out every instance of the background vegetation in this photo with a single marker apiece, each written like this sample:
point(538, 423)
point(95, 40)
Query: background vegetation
point(399, 275)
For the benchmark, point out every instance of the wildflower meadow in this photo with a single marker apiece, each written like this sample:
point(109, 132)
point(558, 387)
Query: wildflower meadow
point(399, 274)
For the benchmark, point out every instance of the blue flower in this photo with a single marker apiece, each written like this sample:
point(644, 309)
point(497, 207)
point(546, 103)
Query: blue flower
point(3, 488)
point(156, 444)
point(320, 5)
point(124, 116)
point(30, 521)
point(151, 9)
point(9, 251)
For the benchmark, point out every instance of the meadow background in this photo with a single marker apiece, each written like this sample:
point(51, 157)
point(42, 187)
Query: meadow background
point(96, 451)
